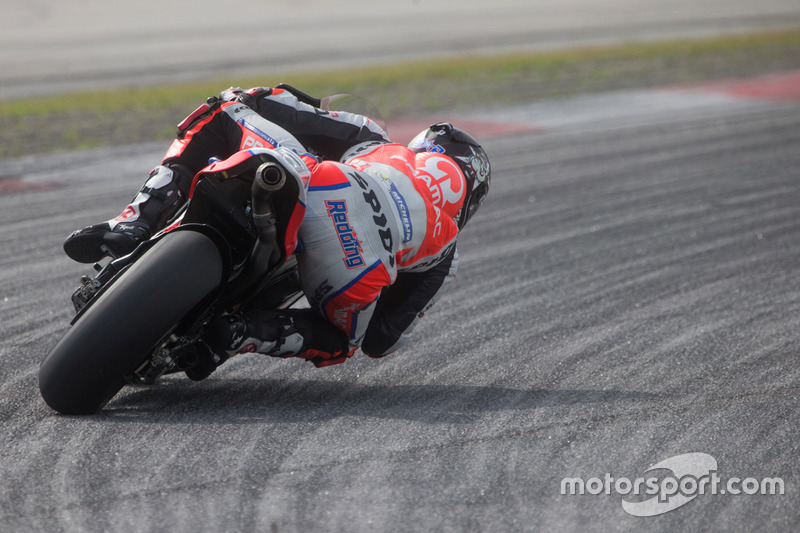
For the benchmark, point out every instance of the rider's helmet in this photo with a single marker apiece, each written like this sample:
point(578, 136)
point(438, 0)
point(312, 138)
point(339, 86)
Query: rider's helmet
point(468, 184)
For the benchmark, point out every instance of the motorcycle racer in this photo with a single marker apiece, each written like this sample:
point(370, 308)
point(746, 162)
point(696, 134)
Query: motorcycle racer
point(377, 244)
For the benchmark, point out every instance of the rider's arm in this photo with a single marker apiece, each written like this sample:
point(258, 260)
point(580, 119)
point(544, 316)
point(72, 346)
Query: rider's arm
point(402, 304)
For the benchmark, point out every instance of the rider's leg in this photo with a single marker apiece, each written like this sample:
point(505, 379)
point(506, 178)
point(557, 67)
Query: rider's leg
point(209, 132)
point(165, 191)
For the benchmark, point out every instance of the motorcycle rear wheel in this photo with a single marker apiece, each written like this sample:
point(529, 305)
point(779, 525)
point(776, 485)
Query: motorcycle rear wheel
point(88, 366)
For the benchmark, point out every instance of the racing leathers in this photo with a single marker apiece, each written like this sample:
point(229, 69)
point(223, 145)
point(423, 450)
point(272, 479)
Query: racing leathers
point(376, 249)
point(376, 245)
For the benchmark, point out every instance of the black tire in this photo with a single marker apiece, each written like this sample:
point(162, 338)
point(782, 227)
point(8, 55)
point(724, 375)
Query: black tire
point(89, 364)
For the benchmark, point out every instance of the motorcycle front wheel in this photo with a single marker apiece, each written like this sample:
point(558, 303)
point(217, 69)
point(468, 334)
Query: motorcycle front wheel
point(88, 366)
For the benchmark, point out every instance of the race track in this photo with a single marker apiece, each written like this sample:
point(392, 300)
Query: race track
point(51, 46)
point(628, 294)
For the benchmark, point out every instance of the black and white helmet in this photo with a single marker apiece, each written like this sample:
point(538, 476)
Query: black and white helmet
point(464, 150)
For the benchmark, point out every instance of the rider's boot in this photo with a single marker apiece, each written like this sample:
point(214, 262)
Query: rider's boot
point(266, 332)
point(234, 334)
point(278, 333)
point(158, 200)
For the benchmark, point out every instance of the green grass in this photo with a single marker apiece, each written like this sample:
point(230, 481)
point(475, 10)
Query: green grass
point(97, 118)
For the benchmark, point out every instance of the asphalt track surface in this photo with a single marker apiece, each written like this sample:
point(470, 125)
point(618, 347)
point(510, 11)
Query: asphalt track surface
point(51, 46)
point(628, 294)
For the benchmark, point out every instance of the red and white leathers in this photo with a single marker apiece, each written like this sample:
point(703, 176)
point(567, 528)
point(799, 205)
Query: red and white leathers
point(234, 121)
point(377, 243)
point(264, 117)
point(369, 222)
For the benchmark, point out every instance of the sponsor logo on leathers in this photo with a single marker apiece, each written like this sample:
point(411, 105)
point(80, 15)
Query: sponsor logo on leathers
point(445, 181)
point(351, 246)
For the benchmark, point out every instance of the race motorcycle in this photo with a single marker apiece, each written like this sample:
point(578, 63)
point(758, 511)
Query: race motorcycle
point(143, 315)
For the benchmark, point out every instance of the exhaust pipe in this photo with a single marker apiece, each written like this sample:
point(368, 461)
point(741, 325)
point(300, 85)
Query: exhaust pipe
point(269, 177)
